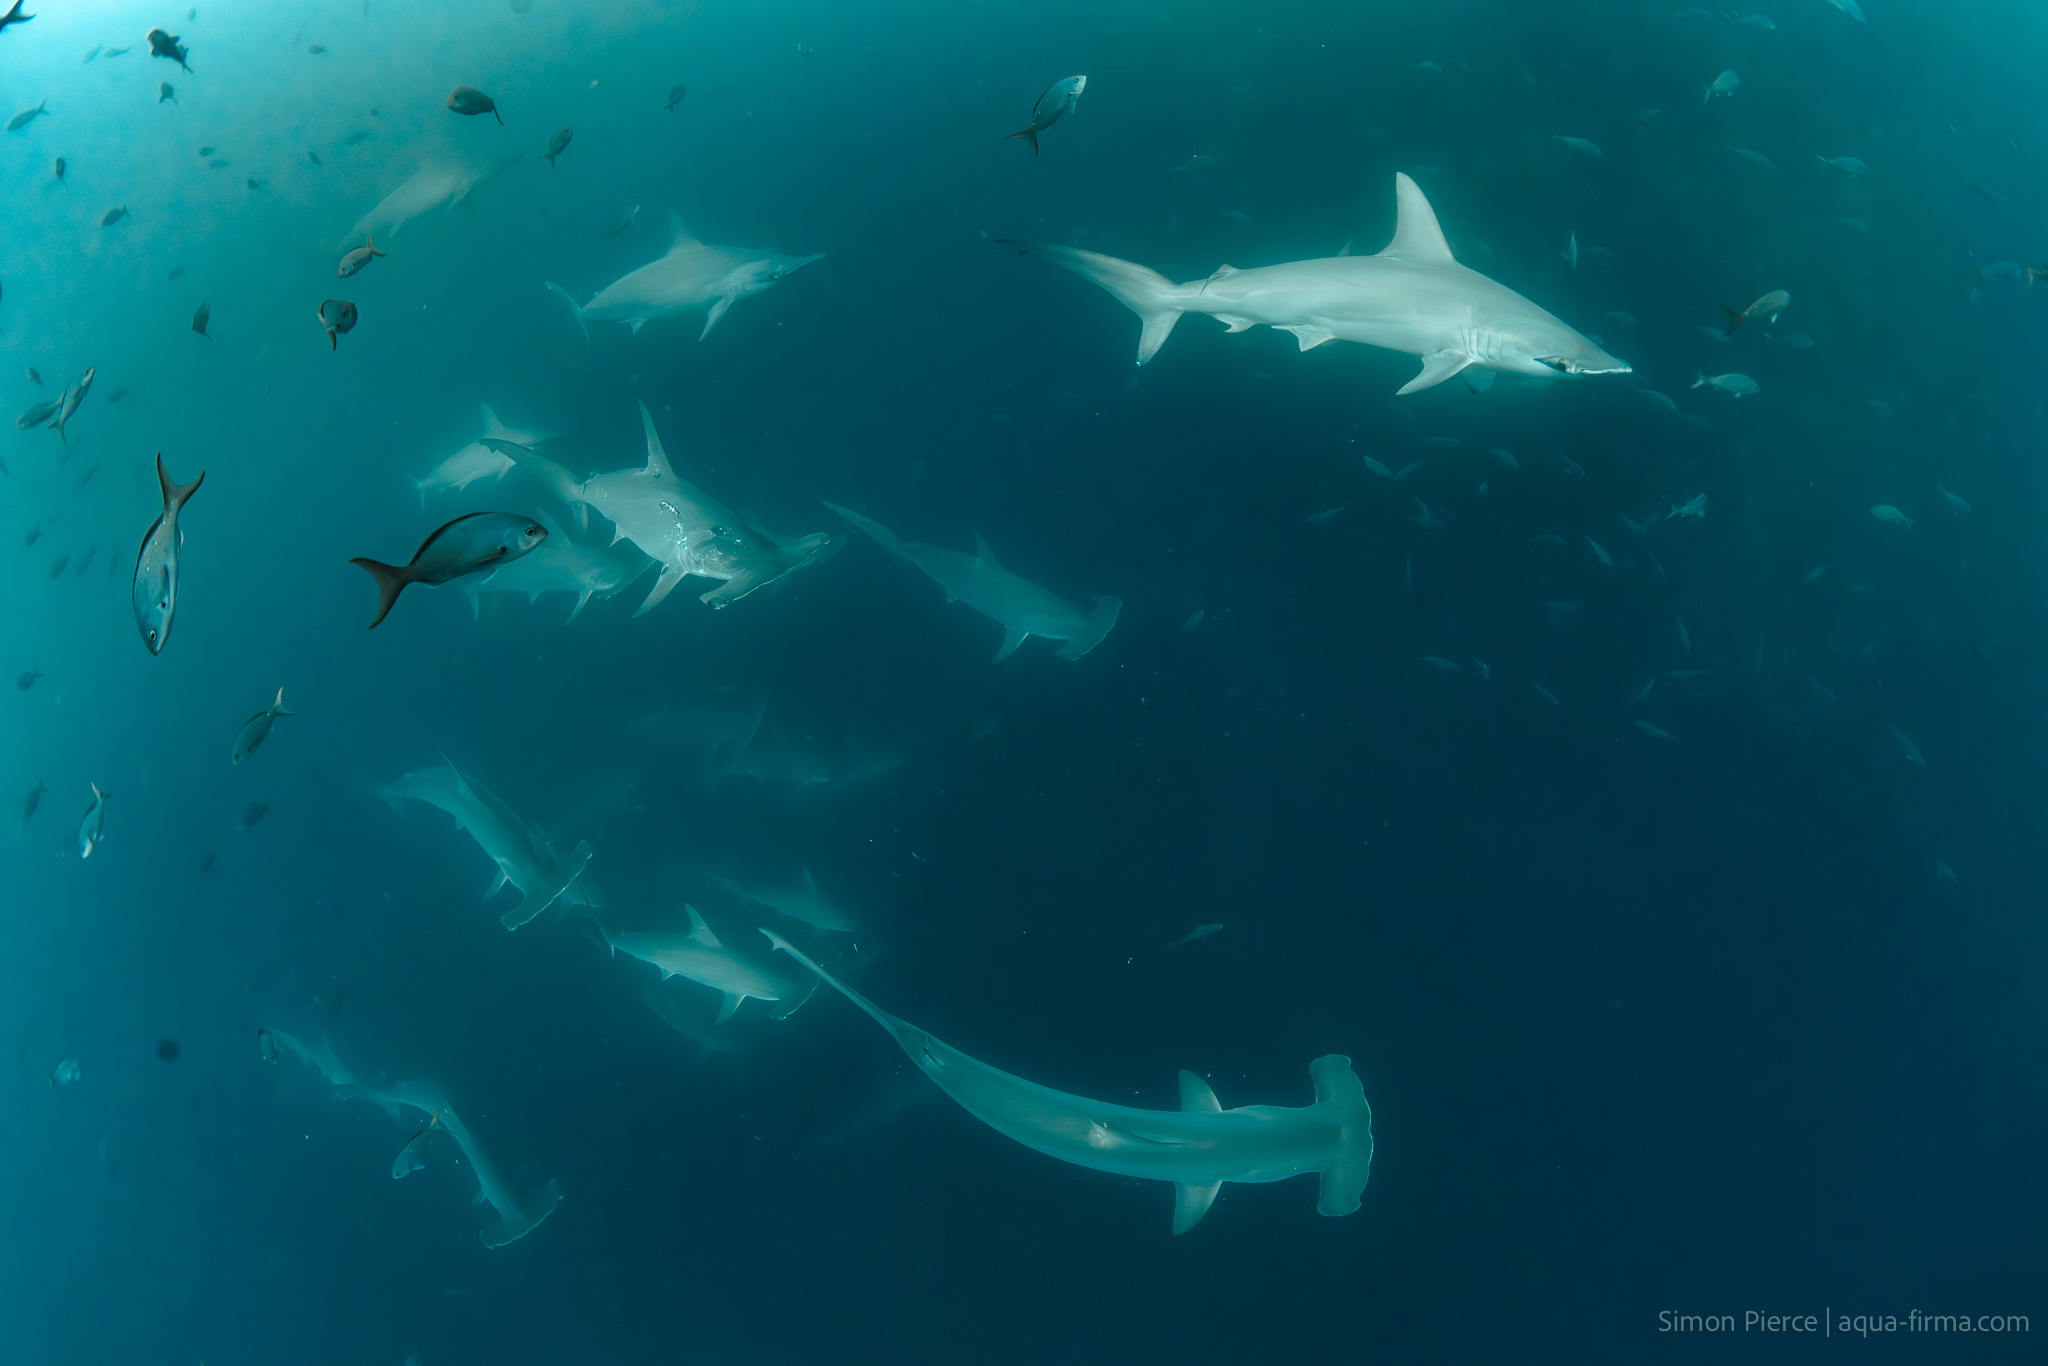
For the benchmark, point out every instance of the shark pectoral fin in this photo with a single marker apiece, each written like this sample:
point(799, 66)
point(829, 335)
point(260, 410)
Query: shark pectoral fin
point(544, 894)
point(1195, 1096)
point(723, 302)
point(477, 1199)
point(1012, 637)
point(670, 577)
point(1190, 1203)
point(1234, 324)
point(1309, 335)
point(497, 882)
point(636, 324)
point(732, 1003)
point(1437, 367)
point(1099, 626)
point(582, 601)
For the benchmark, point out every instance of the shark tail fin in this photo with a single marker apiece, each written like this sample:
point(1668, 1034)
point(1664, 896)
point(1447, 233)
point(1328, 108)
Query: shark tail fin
point(1339, 1093)
point(391, 581)
point(1098, 627)
point(1155, 299)
point(521, 1222)
point(543, 894)
point(1029, 135)
point(575, 308)
point(878, 533)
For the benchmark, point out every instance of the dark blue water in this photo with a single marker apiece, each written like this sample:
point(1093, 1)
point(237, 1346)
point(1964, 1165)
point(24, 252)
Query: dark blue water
point(1739, 1013)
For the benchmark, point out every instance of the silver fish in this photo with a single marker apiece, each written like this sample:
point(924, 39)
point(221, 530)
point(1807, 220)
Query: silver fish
point(559, 141)
point(162, 44)
point(113, 215)
point(26, 117)
point(358, 258)
point(93, 828)
point(34, 800)
point(467, 545)
point(1768, 307)
point(337, 316)
point(257, 728)
point(155, 588)
point(73, 398)
point(37, 415)
point(675, 97)
point(1058, 101)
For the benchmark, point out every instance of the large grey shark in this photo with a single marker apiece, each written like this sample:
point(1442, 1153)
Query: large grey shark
point(702, 957)
point(1014, 603)
point(1412, 297)
point(523, 858)
point(517, 1215)
point(680, 526)
point(474, 461)
point(560, 565)
point(275, 1044)
point(431, 187)
point(805, 903)
point(1198, 1147)
point(690, 278)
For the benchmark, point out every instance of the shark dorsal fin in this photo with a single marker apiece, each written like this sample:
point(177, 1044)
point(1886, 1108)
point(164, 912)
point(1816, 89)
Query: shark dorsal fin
point(493, 427)
point(1417, 237)
point(1196, 1097)
point(461, 782)
point(700, 931)
point(680, 238)
point(657, 458)
point(984, 554)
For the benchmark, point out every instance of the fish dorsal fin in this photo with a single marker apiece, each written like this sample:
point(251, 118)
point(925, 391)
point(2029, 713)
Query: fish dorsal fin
point(984, 554)
point(680, 238)
point(657, 458)
point(700, 931)
point(1196, 1097)
point(1417, 238)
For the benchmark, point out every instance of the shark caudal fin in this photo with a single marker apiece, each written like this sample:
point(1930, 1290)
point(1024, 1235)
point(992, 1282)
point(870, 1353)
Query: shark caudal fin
point(1342, 1096)
point(1098, 627)
point(575, 308)
point(1154, 298)
point(521, 1222)
point(542, 895)
point(391, 581)
point(878, 533)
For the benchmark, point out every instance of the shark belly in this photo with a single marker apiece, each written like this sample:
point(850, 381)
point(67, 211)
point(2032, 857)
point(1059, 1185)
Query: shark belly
point(1394, 305)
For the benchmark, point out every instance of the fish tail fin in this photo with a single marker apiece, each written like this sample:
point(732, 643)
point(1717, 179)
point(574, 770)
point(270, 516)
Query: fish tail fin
point(1029, 135)
point(1098, 626)
point(1342, 1098)
point(520, 1222)
point(278, 707)
point(391, 581)
point(1156, 300)
point(174, 493)
point(543, 894)
point(370, 241)
point(1734, 319)
point(575, 308)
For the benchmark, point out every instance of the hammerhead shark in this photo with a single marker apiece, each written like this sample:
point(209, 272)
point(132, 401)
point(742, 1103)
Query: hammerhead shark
point(430, 188)
point(1014, 603)
point(680, 526)
point(690, 277)
point(702, 957)
point(516, 1217)
point(1411, 297)
point(523, 858)
point(1197, 1148)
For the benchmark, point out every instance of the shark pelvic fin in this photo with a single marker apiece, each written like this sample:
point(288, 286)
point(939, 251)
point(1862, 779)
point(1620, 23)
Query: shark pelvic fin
point(1195, 1096)
point(1190, 1203)
point(1437, 367)
point(1309, 335)
point(1417, 238)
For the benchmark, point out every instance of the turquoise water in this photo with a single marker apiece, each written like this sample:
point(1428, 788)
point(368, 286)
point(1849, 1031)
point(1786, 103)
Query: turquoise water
point(1637, 781)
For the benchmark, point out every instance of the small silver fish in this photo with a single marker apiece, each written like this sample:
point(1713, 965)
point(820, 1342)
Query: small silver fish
point(1735, 384)
point(68, 1070)
point(1584, 148)
point(1848, 166)
point(413, 1156)
point(1756, 159)
point(468, 100)
point(113, 216)
point(59, 167)
point(252, 813)
point(256, 729)
point(625, 221)
point(1727, 83)
point(73, 398)
point(267, 1041)
point(675, 97)
point(558, 142)
point(337, 316)
point(26, 679)
point(166, 91)
point(1198, 932)
point(358, 258)
point(37, 415)
point(1885, 512)
point(26, 117)
point(154, 591)
point(93, 827)
point(467, 545)
point(1768, 307)
point(1056, 103)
